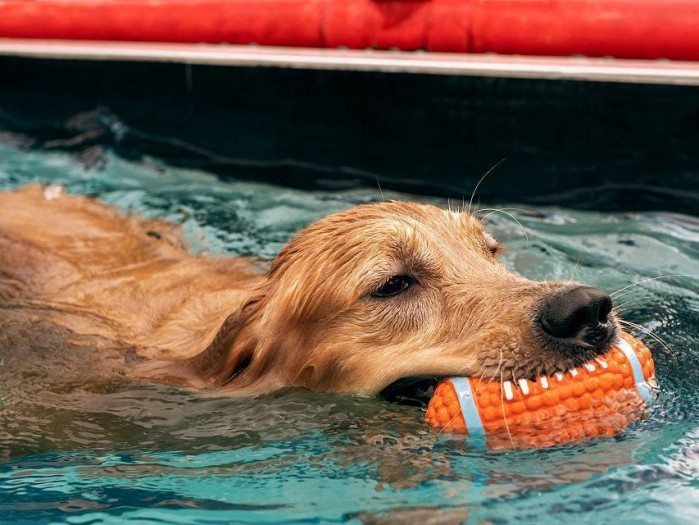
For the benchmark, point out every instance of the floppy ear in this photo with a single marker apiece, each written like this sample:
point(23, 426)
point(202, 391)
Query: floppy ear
point(227, 356)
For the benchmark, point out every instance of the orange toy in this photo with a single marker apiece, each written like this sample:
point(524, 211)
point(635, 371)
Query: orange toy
point(601, 397)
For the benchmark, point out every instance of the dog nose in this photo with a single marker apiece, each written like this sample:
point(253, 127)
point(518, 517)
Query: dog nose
point(578, 313)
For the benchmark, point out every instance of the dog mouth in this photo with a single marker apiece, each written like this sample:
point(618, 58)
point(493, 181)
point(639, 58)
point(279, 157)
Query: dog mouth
point(411, 391)
point(417, 391)
point(562, 356)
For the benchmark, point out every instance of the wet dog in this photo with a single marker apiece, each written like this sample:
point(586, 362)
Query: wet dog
point(355, 302)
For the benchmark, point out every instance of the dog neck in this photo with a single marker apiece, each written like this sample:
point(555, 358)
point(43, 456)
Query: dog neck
point(77, 263)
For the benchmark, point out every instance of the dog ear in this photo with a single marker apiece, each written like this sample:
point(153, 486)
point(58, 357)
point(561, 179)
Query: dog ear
point(226, 357)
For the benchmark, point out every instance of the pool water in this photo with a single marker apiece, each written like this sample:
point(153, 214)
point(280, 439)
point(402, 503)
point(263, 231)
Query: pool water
point(72, 451)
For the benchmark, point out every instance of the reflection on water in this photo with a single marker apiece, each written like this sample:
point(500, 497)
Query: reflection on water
point(91, 447)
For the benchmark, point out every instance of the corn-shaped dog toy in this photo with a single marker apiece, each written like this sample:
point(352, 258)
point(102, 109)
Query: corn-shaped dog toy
point(601, 397)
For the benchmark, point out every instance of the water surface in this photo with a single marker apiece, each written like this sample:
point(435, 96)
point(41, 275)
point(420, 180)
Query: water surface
point(78, 452)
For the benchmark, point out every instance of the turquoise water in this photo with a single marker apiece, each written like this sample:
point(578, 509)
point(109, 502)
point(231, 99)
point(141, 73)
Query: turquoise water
point(76, 452)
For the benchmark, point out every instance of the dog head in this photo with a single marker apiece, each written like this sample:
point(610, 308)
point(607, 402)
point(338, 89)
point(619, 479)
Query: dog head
point(381, 292)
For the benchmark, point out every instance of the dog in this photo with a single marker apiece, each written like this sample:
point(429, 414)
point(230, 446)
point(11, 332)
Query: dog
point(356, 302)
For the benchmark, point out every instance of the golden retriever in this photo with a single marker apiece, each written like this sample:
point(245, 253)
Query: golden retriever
point(355, 302)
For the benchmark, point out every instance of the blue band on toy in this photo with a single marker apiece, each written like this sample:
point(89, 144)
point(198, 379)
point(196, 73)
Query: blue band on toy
point(643, 388)
point(474, 425)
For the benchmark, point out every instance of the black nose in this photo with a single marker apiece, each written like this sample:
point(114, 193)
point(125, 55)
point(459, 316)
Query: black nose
point(579, 313)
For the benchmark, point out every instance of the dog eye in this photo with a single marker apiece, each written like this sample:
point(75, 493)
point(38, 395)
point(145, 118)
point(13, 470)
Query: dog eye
point(394, 286)
point(496, 249)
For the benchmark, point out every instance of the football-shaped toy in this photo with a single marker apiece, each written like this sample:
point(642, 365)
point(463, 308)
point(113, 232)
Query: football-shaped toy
point(601, 397)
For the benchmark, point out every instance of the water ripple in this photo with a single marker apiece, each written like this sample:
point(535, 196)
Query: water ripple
point(80, 453)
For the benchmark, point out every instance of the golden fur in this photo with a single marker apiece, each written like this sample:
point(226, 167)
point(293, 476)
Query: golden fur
point(308, 320)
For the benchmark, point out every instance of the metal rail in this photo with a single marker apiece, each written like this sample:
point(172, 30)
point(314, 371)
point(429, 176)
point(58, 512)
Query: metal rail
point(530, 67)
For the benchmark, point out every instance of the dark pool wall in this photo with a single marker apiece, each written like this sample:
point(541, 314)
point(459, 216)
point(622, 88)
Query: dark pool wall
point(582, 144)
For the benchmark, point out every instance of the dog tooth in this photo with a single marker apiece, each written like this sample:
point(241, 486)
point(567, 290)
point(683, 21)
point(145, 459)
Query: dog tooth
point(524, 386)
point(589, 367)
point(573, 372)
point(544, 382)
point(509, 395)
point(559, 376)
point(602, 363)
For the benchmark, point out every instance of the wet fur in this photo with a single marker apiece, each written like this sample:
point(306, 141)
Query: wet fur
point(242, 326)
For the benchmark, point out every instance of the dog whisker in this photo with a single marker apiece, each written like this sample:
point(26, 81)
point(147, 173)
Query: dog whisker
point(493, 168)
point(502, 210)
point(480, 383)
point(446, 425)
point(502, 400)
point(651, 334)
point(572, 274)
point(618, 308)
point(378, 183)
point(617, 293)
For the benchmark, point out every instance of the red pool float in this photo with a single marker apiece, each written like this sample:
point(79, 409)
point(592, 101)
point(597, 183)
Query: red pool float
point(642, 29)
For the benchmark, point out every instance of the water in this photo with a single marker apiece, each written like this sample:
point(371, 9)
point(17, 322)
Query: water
point(74, 451)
